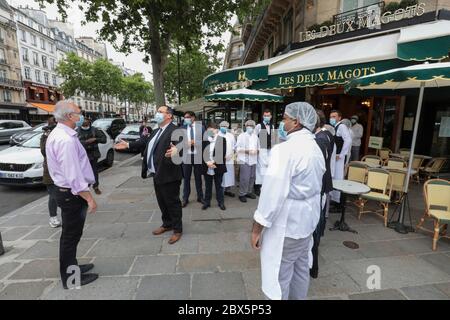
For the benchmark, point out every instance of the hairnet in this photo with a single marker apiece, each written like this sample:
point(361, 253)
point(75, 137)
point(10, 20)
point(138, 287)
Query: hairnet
point(224, 124)
point(347, 122)
point(330, 129)
point(304, 113)
point(250, 123)
point(355, 117)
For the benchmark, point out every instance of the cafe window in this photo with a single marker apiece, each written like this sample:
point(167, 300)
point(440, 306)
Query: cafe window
point(38, 75)
point(35, 58)
point(2, 56)
point(24, 35)
point(25, 54)
point(270, 48)
point(288, 28)
point(7, 96)
point(348, 5)
point(27, 73)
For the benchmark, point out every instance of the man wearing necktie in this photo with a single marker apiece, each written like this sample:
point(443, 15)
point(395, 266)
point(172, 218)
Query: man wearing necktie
point(193, 158)
point(157, 163)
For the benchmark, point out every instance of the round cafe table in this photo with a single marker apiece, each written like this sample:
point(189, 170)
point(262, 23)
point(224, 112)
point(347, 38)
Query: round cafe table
point(405, 170)
point(347, 187)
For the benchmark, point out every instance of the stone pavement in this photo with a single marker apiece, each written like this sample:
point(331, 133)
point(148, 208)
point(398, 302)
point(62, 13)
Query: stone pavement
point(213, 260)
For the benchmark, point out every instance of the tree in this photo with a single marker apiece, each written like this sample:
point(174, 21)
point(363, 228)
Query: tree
point(74, 71)
point(151, 26)
point(134, 89)
point(195, 65)
point(104, 79)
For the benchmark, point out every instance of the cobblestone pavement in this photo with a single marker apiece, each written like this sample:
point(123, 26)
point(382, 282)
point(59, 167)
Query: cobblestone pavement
point(213, 260)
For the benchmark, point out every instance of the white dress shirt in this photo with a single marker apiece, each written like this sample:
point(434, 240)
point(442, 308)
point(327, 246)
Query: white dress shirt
point(151, 168)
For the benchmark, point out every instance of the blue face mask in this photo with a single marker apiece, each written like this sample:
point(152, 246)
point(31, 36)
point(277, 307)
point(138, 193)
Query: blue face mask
point(333, 121)
point(223, 130)
point(188, 122)
point(281, 132)
point(249, 130)
point(267, 120)
point(159, 118)
point(80, 122)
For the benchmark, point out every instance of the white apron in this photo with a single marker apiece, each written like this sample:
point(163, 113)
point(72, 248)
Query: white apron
point(261, 166)
point(272, 241)
point(338, 175)
point(228, 177)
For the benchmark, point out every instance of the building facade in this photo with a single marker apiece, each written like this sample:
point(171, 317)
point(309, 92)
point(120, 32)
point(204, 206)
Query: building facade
point(12, 99)
point(38, 57)
point(235, 48)
point(307, 50)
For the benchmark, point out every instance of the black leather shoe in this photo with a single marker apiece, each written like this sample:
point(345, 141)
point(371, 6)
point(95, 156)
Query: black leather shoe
point(184, 204)
point(200, 200)
point(222, 207)
point(243, 199)
point(86, 267)
point(229, 194)
point(250, 195)
point(85, 279)
point(205, 206)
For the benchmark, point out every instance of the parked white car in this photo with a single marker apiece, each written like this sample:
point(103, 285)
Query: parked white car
point(22, 164)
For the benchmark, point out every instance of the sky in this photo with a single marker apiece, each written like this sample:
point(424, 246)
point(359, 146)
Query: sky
point(75, 16)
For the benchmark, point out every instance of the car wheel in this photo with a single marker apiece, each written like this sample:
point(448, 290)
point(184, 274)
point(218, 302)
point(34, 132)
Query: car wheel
point(109, 161)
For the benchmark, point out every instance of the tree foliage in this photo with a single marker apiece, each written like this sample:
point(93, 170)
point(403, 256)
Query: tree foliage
point(151, 26)
point(195, 65)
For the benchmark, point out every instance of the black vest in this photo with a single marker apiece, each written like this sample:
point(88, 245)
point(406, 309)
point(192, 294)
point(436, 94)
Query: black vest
point(265, 137)
point(325, 140)
point(338, 140)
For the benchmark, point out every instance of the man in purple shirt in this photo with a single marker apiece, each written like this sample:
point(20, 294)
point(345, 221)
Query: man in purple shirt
point(69, 167)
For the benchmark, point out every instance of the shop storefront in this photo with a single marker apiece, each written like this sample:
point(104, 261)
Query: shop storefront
point(319, 72)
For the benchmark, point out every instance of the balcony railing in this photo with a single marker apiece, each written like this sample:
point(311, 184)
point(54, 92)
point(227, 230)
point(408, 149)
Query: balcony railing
point(10, 82)
point(358, 13)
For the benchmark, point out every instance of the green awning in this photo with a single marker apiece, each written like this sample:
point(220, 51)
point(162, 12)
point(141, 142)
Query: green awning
point(255, 72)
point(244, 95)
point(435, 75)
point(326, 76)
point(428, 41)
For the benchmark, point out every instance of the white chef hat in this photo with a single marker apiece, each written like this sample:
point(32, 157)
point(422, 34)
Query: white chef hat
point(224, 124)
point(304, 113)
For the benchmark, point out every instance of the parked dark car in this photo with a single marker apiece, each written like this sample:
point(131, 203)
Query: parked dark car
point(23, 136)
point(129, 134)
point(113, 126)
point(10, 127)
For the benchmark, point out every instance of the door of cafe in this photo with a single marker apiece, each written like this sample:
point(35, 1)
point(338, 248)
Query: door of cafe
point(385, 113)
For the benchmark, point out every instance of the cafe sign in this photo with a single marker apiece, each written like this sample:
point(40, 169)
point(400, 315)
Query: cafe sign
point(326, 76)
point(371, 19)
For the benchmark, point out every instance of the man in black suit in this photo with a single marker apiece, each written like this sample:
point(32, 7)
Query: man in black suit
point(214, 166)
point(160, 150)
point(192, 157)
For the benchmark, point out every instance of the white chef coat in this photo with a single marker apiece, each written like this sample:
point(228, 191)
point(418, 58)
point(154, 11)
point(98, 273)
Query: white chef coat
point(263, 155)
point(228, 177)
point(339, 168)
point(289, 205)
point(247, 141)
point(358, 131)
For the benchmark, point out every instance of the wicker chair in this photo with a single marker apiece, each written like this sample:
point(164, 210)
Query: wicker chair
point(357, 171)
point(437, 207)
point(384, 154)
point(373, 160)
point(433, 168)
point(396, 163)
point(398, 179)
point(380, 183)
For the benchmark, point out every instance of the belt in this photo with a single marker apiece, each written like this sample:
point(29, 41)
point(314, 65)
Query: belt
point(62, 189)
